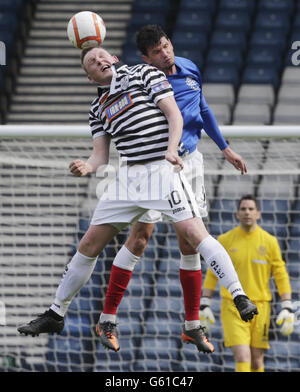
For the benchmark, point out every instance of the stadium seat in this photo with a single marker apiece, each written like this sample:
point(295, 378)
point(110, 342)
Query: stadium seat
point(139, 19)
point(284, 6)
point(229, 187)
point(268, 37)
point(189, 40)
point(264, 56)
point(264, 75)
point(272, 20)
point(254, 114)
point(221, 74)
point(256, 94)
point(162, 327)
point(278, 187)
point(193, 21)
point(238, 5)
point(233, 20)
point(218, 93)
point(229, 38)
point(167, 306)
point(158, 348)
point(286, 114)
point(165, 267)
point(291, 76)
point(289, 94)
point(198, 5)
point(151, 5)
point(222, 113)
point(8, 21)
point(192, 54)
point(11, 5)
point(132, 56)
point(225, 56)
point(273, 205)
point(296, 24)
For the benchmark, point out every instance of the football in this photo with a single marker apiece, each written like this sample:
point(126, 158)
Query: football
point(86, 29)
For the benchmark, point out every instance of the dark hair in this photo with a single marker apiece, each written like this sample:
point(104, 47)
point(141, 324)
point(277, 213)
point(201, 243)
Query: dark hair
point(149, 36)
point(248, 197)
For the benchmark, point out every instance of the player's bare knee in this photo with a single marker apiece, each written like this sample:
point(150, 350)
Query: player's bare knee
point(88, 248)
point(137, 243)
point(186, 248)
point(139, 237)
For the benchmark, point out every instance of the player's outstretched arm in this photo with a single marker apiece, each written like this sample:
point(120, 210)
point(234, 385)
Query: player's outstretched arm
point(235, 159)
point(99, 157)
point(170, 109)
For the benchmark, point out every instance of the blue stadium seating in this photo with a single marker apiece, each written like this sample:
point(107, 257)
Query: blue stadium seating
point(8, 21)
point(194, 21)
point(152, 5)
point(233, 21)
point(264, 56)
point(11, 5)
point(268, 20)
point(296, 24)
point(268, 37)
point(192, 54)
point(221, 74)
point(139, 19)
point(228, 56)
point(198, 5)
point(189, 40)
point(260, 74)
point(229, 39)
point(238, 5)
point(132, 56)
point(284, 6)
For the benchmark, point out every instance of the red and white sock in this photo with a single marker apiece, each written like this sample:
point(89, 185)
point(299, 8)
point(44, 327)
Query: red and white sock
point(120, 276)
point(191, 281)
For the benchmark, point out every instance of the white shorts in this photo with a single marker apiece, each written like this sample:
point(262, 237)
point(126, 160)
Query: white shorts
point(139, 188)
point(194, 173)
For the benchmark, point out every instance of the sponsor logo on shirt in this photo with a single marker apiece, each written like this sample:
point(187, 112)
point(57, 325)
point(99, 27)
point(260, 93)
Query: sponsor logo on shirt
point(259, 261)
point(156, 88)
point(117, 107)
point(179, 209)
point(192, 83)
point(262, 251)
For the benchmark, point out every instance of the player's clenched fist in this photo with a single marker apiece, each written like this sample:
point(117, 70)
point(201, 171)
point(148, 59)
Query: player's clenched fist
point(79, 168)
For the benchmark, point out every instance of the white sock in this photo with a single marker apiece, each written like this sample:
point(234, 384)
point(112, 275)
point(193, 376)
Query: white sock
point(221, 265)
point(77, 273)
point(125, 259)
point(107, 317)
point(193, 324)
point(190, 262)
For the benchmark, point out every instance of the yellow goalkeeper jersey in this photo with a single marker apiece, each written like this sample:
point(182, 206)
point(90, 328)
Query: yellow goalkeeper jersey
point(256, 257)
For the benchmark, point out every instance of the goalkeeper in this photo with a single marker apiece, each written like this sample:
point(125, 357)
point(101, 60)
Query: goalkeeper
point(256, 256)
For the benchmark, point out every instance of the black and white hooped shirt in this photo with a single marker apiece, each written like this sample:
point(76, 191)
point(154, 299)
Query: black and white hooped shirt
point(127, 110)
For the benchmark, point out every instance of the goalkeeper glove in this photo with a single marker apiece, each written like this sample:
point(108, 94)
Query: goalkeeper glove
point(285, 318)
point(206, 316)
